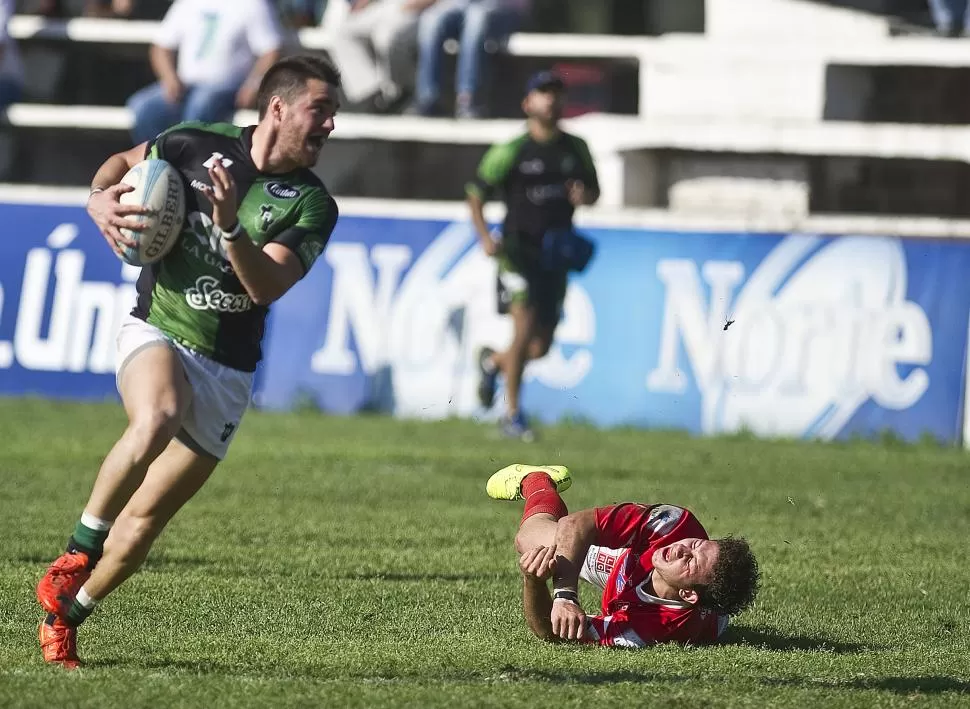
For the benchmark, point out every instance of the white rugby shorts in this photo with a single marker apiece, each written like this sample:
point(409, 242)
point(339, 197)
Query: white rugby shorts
point(220, 394)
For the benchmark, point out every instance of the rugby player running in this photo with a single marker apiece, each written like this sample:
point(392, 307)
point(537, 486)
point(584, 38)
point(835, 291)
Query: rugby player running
point(543, 175)
point(256, 220)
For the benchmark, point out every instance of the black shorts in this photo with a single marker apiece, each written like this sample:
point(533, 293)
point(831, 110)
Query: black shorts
point(543, 290)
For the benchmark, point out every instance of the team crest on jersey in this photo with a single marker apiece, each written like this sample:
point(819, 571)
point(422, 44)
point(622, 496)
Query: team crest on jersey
point(310, 250)
point(281, 190)
point(568, 163)
point(266, 217)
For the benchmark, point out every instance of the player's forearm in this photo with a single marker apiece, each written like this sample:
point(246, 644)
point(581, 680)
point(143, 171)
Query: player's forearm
point(537, 607)
point(574, 535)
point(163, 63)
point(477, 209)
point(110, 172)
point(264, 279)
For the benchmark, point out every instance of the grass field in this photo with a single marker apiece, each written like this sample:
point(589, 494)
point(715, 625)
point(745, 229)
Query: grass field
point(338, 562)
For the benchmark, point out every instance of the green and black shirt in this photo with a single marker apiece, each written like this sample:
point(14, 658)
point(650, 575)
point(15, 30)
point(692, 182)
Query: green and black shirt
point(532, 178)
point(193, 295)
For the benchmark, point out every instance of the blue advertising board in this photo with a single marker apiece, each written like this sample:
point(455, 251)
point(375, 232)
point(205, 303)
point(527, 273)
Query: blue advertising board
point(781, 334)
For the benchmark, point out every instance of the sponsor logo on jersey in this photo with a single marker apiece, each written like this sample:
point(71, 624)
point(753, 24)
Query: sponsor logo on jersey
point(543, 194)
point(207, 294)
point(532, 167)
point(211, 162)
point(281, 190)
point(604, 562)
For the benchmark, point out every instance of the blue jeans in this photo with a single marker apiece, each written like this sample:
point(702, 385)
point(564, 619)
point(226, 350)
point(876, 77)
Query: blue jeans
point(153, 114)
point(474, 23)
point(10, 92)
point(950, 15)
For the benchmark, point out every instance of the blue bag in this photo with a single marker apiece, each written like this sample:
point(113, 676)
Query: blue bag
point(566, 250)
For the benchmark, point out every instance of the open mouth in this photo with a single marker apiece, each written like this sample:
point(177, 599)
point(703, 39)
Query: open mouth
point(316, 141)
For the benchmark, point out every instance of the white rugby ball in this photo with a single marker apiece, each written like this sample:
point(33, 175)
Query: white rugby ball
point(158, 186)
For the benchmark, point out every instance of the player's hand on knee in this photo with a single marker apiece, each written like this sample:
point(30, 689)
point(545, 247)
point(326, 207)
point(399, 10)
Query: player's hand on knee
point(568, 619)
point(538, 563)
point(111, 216)
point(222, 194)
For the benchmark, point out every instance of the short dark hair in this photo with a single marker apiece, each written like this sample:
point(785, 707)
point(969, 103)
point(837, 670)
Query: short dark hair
point(735, 581)
point(288, 76)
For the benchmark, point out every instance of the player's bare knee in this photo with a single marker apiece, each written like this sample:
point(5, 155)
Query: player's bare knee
point(149, 433)
point(520, 347)
point(539, 348)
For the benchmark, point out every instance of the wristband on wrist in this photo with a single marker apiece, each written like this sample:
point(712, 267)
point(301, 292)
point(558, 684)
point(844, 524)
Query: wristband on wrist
point(234, 233)
point(565, 594)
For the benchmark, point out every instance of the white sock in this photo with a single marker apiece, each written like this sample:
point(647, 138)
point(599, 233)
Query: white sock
point(95, 523)
point(85, 600)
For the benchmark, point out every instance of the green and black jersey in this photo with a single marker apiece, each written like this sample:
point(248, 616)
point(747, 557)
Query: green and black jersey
point(533, 177)
point(193, 295)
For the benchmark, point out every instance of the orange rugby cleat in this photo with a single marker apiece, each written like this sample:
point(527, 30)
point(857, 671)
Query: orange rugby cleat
point(58, 642)
point(62, 581)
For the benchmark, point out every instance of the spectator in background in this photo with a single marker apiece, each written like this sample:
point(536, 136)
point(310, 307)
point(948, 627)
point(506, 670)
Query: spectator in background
point(11, 69)
point(224, 47)
point(108, 8)
point(478, 25)
point(302, 13)
point(361, 46)
point(951, 17)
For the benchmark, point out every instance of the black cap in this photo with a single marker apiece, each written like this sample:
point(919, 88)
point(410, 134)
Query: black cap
point(544, 80)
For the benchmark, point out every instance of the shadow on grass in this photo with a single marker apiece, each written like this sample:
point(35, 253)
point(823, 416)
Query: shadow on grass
point(198, 667)
point(898, 685)
point(779, 642)
point(508, 673)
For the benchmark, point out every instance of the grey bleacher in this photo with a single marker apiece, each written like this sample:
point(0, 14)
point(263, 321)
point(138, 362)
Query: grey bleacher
point(809, 109)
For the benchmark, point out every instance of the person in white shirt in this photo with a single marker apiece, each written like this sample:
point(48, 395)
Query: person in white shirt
point(223, 48)
point(11, 69)
point(477, 24)
point(360, 44)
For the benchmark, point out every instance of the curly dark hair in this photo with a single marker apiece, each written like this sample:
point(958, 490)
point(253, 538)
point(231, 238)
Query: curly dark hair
point(736, 578)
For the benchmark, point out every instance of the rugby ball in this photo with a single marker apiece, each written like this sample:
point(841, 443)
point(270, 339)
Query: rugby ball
point(158, 186)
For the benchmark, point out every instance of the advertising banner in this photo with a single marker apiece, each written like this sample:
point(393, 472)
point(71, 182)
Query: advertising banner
point(781, 334)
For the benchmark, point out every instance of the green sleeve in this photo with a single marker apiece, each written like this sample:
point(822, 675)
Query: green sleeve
point(586, 162)
point(494, 169)
point(309, 236)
